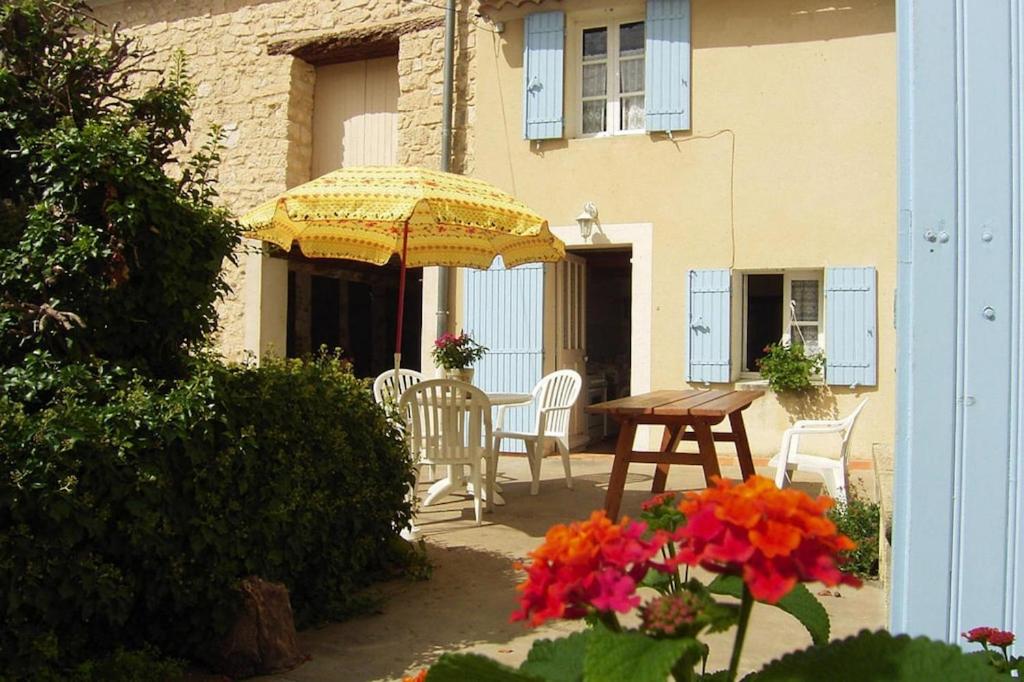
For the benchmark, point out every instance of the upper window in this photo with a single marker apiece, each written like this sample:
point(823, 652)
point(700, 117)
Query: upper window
point(612, 78)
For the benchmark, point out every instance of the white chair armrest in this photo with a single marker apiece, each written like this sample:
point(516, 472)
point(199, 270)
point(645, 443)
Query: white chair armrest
point(499, 422)
point(817, 422)
point(545, 410)
point(816, 427)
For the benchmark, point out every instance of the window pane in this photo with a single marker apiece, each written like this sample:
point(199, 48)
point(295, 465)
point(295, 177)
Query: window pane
point(594, 116)
point(806, 335)
point(632, 112)
point(631, 39)
point(805, 300)
point(595, 80)
point(595, 43)
point(631, 75)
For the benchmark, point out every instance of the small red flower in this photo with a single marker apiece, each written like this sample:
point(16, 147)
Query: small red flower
point(772, 538)
point(421, 676)
point(978, 635)
point(657, 501)
point(1001, 638)
point(986, 635)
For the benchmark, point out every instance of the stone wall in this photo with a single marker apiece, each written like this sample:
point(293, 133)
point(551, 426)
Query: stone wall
point(265, 101)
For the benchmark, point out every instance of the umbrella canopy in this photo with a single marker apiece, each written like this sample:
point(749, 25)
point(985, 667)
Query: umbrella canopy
point(427, 217)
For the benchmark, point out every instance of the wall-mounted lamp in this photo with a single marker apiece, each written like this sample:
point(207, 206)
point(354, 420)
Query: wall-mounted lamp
point(586, 219)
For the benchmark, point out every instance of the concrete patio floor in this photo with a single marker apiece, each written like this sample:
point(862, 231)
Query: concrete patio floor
point(465, 606)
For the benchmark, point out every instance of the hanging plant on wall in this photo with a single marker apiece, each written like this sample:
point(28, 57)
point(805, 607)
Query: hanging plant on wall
point(789, 367)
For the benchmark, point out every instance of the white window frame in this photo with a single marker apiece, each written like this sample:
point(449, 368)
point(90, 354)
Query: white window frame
point(787, 319)
point(612, 96)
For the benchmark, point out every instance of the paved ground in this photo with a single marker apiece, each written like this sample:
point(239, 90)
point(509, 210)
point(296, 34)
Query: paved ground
point(465, 606)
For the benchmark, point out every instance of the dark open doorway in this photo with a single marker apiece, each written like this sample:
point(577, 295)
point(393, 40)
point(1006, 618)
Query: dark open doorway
point(609, 305)
point(352, 307)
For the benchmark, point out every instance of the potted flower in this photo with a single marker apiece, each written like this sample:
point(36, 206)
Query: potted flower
point(790, 367)
point(454, 354)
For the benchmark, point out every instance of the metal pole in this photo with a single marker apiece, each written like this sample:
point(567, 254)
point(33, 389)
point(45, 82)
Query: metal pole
point(446, 148)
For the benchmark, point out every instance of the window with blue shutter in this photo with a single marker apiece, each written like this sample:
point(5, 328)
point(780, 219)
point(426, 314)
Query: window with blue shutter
point(709, 317)
point(668, 65)
point(543, 69)
point(851, 352)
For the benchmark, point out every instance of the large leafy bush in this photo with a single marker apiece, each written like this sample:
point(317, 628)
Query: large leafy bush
point(130, 508)
point(102, 252)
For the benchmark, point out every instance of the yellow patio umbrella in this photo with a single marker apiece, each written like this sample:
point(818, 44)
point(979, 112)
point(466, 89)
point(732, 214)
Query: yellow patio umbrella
point(426, 217)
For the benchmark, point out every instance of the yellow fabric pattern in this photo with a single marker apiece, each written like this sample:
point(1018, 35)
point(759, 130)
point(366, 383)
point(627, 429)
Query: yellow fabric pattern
point(360, 213)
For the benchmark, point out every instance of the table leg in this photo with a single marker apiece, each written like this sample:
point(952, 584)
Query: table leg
point(617, 481)
point(706, 444)
point(742, 445)
point(669, 443)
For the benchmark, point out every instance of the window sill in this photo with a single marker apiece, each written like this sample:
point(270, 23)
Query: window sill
point(758, 384)
point(605, 136)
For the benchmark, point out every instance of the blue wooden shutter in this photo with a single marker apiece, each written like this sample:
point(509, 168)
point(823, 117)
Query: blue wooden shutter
point(668, 65)
point(504, 312)
point(543, 59)
point(709, 318)
point(850, 327)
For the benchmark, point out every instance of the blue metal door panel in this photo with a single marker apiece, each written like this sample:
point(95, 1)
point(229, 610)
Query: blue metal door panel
point(504, 311)
point(957, 551)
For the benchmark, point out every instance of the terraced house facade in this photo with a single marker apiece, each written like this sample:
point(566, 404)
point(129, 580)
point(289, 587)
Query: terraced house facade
point(734, 162)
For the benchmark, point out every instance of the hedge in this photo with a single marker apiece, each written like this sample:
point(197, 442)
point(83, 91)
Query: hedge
point(130, 508)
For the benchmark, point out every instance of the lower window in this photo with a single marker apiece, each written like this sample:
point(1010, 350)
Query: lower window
point(781, 307)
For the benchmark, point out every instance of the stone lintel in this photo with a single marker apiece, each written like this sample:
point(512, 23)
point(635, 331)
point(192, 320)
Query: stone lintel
point(365, 42)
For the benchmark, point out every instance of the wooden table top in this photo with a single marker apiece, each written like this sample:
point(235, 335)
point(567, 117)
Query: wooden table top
point(682, 403)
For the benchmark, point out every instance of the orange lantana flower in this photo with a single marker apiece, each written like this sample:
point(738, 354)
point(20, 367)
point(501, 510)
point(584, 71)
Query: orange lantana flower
point(594, 564)
point(421, 676)
point(771, 538)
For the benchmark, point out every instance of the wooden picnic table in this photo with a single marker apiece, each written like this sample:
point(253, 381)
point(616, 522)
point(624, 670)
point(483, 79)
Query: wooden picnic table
point(687, 415)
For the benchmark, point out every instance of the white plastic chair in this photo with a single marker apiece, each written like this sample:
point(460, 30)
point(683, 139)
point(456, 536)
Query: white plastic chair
point(832, 470)
point(449, 423)
point(384, 385)
point(555, 395)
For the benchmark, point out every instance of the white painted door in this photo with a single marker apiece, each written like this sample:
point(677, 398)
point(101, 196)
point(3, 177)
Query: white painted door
point(355, 115)
point(571, 333)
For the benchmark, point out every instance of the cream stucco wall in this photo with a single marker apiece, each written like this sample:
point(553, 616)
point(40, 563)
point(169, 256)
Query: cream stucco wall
point(790, 163)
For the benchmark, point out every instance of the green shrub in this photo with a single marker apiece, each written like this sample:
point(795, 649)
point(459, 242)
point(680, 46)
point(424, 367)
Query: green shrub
point(102, 251)
point(130, 508)
point(859, 520)
point(788, 367)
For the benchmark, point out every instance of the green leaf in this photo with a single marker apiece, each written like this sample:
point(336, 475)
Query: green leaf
point(878, 656)
point(558, 660)
point(717, 676)
point(799, 603)
point(657, 580)
point(463, 667)
point(616, 656)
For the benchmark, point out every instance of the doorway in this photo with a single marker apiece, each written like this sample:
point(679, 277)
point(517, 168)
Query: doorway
point(594, 333)
point(352, 308)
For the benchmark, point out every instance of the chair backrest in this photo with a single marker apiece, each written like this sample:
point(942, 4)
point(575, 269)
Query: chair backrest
point(848, 423)
point(558, 389)
point(384, 385)
point(448, 422)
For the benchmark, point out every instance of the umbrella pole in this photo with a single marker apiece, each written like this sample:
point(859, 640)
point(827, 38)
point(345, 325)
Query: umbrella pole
point(401, 305)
